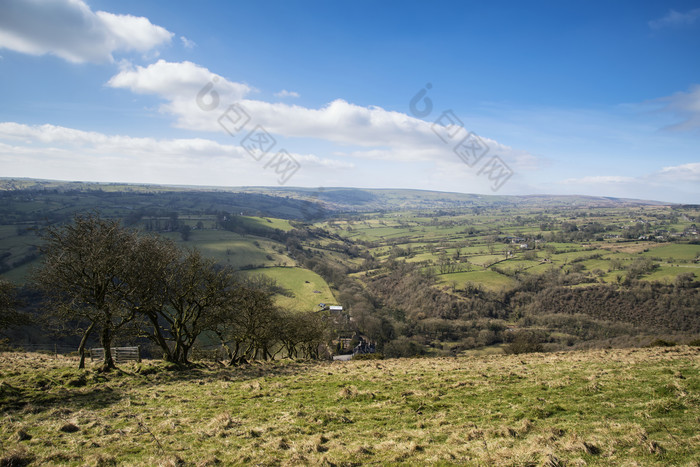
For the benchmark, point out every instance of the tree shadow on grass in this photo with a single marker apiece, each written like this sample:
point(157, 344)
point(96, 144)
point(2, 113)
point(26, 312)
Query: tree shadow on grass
point(74, 389)
point(13, 399)
point(161, 372)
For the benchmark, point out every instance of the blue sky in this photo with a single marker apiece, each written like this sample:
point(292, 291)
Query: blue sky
point(596, 98)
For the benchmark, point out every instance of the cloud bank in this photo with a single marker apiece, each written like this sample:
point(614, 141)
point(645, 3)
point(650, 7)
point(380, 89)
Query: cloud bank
point(50, 151)
point(69, 29)
point(372, 132)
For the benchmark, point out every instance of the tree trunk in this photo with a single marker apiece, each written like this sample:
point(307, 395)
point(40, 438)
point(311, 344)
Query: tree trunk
point(108, 363)
point(83, 342)
point(184, 354)
point(234, 359)
point(175, 355)
point(249, 353)
point(229, 353)
point(276, 350)
point(157, 336)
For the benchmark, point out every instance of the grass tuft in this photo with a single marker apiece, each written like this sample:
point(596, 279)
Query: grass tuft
point(17, 458)
point(23, 435)
point(69, 428)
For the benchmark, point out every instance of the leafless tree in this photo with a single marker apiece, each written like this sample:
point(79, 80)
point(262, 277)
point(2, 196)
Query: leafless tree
point(194, 287)
point(83, 275)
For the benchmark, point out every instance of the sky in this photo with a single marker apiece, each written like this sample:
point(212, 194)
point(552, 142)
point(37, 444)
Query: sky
point(506, 97)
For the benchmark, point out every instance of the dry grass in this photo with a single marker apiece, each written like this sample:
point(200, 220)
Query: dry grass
point(635, 247)
point(632, 407)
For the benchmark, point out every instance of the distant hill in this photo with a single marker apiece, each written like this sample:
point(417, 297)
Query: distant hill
point(297, 202)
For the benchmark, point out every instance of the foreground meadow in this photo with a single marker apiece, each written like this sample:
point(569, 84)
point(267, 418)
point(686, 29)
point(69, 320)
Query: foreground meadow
point(603, 407)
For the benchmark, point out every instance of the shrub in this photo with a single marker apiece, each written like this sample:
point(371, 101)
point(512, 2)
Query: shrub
point(524, 342)
point(662, 343)
point(403, 347)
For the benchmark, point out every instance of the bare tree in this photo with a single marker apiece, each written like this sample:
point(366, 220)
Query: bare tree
point(84, 277)
point(194, 287)
point(245, 325)
point(151, 265)
point(174, 292)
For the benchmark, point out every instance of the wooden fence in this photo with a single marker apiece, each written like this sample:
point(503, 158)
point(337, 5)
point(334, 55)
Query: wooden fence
point(119, 354)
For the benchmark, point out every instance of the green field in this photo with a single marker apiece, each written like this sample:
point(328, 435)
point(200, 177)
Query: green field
point(309, 288)
point(268, 223)
point(234, 249)
point(605, 407)
point(675, 252)
point(669, 273)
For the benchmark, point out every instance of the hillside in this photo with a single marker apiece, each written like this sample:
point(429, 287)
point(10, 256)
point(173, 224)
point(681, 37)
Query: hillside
point(416, 272)
point(603, 407)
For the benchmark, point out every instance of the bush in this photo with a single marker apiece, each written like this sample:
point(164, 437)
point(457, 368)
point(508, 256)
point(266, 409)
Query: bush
point(662, 343)
point(524, 342)
point(403, 347)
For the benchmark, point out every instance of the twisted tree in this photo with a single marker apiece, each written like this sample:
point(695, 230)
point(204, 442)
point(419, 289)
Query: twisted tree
point(84, 276)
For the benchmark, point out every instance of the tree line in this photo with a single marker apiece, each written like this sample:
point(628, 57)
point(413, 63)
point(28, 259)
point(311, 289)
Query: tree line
point(113, 281)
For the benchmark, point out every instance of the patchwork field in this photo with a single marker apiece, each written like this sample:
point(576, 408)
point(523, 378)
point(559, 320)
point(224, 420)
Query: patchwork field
point(605, 407)
point(481, 246)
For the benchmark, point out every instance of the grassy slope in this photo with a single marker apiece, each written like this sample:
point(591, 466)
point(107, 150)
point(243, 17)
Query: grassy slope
point(227, 248)
point(302, 283)
point(233, 249)
point(635, 407)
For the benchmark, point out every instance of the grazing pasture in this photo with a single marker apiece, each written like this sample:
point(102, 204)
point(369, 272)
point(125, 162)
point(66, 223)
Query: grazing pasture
point(603, 407)
point(308, 288)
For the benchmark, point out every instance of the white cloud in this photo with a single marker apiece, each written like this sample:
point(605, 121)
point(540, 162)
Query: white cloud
point(598, 180)
point(681, 173)
point(175, 81)
point(71, 30)
point(91, 142)
point(675, 19)
point(372, 132)
point(285, 93)
point(180, 84)
point(187, 43)
point(342, 122)
point(50, 151)
point(685, 106)
point(679, 183)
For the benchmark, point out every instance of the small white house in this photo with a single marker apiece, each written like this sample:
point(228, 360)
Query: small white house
point(336, 308)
